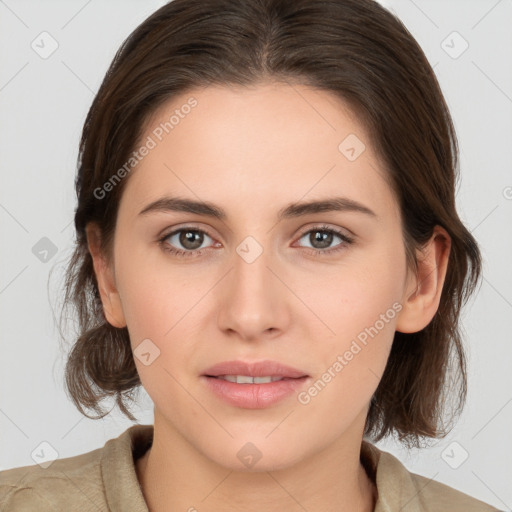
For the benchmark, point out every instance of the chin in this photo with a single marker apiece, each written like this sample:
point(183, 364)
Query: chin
point(256, 455)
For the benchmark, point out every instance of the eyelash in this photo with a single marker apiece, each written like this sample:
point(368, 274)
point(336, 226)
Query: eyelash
point(315, 252)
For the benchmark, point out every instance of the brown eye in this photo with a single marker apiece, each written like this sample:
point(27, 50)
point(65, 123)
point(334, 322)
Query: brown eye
point(322, 238)
point(191, 239)
point(186, 239)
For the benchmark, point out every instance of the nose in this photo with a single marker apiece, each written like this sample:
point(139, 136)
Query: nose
point(254, 302)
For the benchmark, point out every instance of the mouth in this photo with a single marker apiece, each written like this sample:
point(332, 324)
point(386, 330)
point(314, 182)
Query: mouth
point(253, 385)
point(247, 379)
point(245, 372)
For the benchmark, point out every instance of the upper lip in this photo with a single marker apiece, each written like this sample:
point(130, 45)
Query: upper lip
point(255, 369)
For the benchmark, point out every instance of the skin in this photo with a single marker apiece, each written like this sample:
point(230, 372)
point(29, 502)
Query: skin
point(251, 151)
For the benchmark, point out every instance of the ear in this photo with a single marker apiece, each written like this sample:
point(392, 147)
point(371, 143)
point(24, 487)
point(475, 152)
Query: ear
point(422, 293)
point(110, 299)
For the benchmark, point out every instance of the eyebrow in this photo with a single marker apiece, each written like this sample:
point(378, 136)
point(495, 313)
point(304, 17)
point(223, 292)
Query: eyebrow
point(292, 210)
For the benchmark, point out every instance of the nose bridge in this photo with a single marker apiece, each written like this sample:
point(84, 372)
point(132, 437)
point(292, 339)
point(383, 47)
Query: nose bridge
point(251, 302)
point(251, 277)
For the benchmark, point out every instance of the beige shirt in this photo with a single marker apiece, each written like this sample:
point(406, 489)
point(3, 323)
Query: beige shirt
point(105, 480)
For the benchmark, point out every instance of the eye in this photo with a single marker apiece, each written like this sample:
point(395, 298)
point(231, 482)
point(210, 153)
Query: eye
point(322, 237)
point(189, 241)
point(185, 241)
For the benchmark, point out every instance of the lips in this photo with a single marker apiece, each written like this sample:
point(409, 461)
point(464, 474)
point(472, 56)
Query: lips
point(253, 385)
point(256, 369)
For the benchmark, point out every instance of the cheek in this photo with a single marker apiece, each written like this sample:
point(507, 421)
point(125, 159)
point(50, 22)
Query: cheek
point(360, 306)
point(162, 308)
point(356, 296)
point(349, 366)
point(153, 298)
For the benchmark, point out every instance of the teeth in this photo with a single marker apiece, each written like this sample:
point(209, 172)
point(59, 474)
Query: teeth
point(246, 379)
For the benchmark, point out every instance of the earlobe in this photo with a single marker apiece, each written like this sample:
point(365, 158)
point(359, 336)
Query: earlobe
point(110, 298)
point(423, 292)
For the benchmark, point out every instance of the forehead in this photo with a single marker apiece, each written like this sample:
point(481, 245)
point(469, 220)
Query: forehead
point(272, 142)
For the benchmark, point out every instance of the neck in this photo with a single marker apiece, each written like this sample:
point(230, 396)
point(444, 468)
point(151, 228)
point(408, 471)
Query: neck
point(172, 477)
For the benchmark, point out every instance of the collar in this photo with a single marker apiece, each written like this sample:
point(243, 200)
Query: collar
point(396, 489)
point(395, 486)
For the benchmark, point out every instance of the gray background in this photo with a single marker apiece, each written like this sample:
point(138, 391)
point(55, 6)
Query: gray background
point(43, 103)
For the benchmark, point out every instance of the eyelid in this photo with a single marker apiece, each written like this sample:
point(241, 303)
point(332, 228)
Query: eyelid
point(303, 231)
point(326, 227)
point(337, 231)
point(167, 232)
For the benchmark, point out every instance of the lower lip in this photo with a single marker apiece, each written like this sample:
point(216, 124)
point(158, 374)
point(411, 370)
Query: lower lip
point(253, 396)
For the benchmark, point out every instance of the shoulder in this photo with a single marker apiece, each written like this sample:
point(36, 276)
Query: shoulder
point(400, 489)
point(72, 483)
point(439, 497)
point(100, 480)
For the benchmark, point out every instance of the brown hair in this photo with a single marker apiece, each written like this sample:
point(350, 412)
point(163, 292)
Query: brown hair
point(355, 49)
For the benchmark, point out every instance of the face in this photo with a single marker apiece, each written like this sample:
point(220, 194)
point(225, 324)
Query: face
point(316, 289)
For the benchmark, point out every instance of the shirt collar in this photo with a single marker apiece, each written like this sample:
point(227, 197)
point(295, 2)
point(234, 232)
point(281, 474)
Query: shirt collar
point(395, 487)
point(122, 487)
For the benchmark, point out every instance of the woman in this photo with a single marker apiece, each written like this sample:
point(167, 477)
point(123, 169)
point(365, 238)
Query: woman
point(267, 241)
